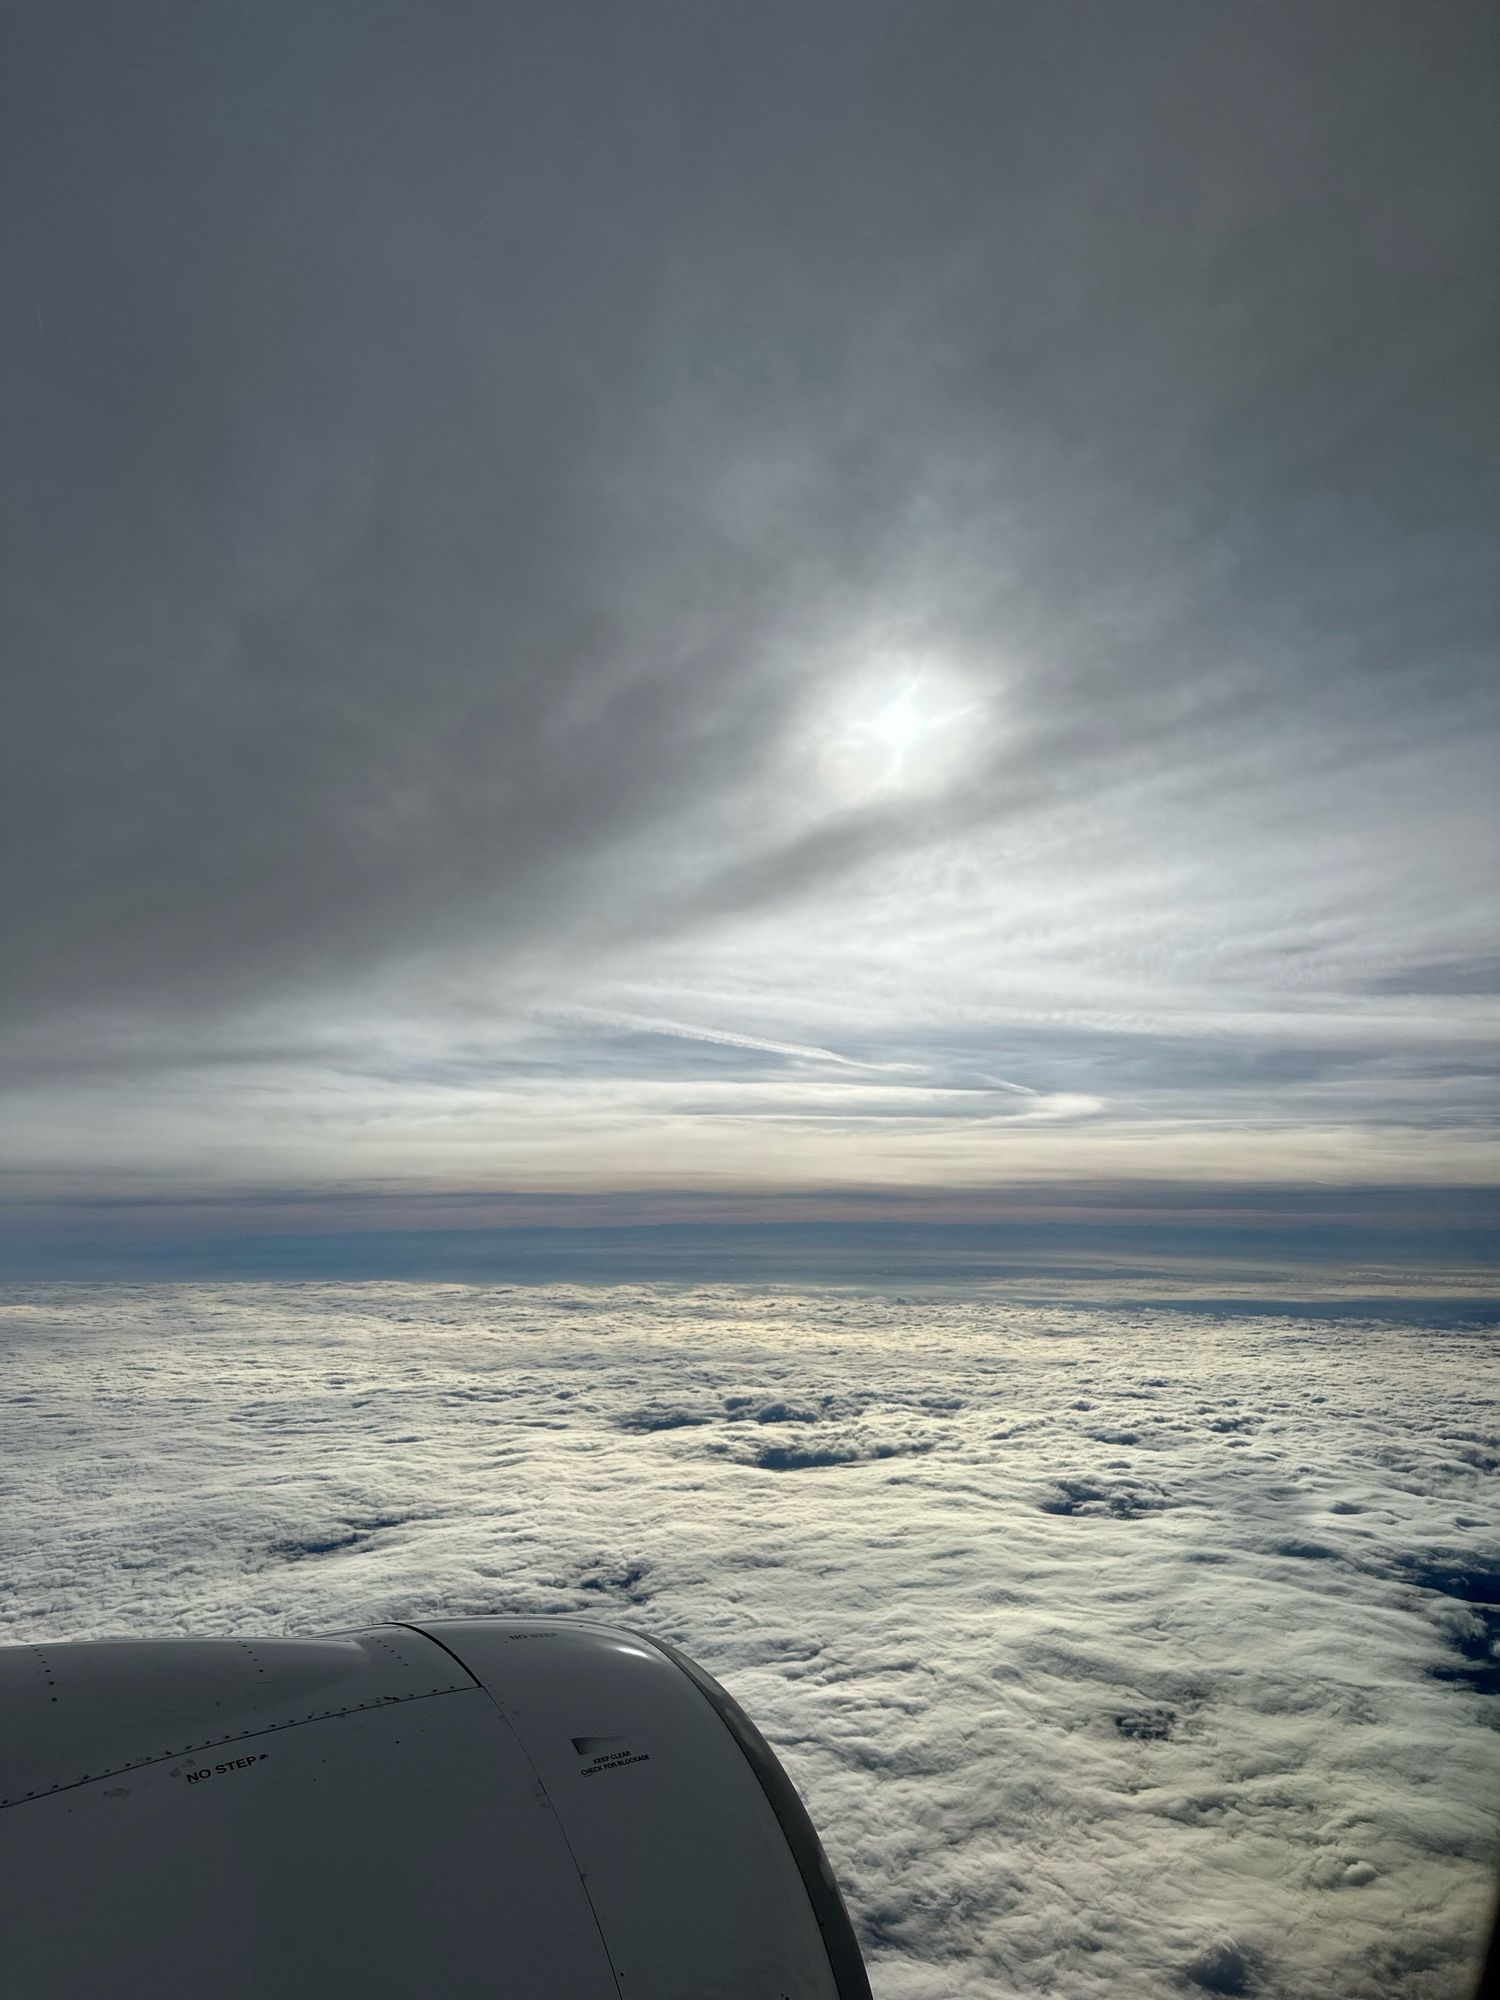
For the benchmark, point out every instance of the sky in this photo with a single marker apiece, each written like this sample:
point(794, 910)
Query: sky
point(750, 617)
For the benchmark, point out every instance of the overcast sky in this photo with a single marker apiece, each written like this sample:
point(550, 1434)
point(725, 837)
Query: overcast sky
point(749, 597)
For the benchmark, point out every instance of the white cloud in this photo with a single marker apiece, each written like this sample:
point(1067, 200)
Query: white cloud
point(1116, 1652)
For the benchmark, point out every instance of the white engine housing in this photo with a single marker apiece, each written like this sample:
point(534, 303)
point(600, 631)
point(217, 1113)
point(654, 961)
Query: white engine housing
point(518, 1806)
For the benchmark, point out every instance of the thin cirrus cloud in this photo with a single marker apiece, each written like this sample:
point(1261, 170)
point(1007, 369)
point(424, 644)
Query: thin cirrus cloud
point(892, 597)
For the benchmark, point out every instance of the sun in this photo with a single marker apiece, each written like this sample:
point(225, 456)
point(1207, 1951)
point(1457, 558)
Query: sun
point(899, 725)
point(911, 737)
point(896, 729)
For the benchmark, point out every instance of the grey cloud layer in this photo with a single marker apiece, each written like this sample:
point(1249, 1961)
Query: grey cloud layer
point(1118, 1653)
point(445, 443)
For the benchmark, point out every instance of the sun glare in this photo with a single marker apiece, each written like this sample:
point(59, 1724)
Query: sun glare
point(898, 727)
point(899, 724)
point(900, 737)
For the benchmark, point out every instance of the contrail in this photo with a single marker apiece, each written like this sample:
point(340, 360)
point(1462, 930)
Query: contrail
point(649, 1024)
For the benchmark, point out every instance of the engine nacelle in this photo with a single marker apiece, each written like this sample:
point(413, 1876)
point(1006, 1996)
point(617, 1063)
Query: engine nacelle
point(534, 1807)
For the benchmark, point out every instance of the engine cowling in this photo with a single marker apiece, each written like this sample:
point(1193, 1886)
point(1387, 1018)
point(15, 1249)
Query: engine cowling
point(526, 1806)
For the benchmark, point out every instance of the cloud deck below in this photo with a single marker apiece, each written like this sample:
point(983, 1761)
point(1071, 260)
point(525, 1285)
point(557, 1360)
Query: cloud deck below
point(1118, 1651)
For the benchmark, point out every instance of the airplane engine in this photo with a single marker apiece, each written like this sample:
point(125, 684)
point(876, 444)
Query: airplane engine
point(531, 1807)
